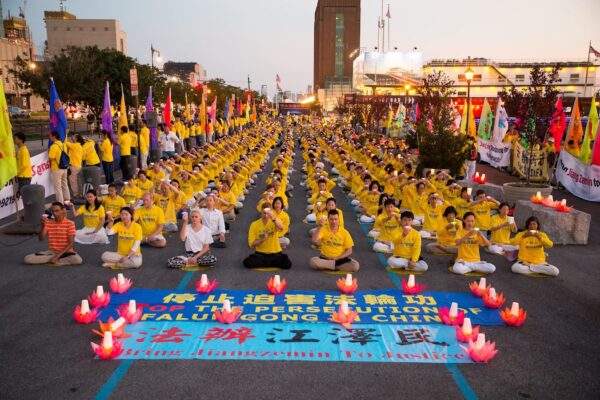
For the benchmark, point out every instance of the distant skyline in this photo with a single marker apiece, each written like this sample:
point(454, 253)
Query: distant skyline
point(234, 38)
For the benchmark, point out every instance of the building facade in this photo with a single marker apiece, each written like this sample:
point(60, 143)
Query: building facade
point(64, 29)
point(189, 72)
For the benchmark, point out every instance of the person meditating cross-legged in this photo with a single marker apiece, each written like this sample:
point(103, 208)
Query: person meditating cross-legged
point(128, 254)
point(263, 237)
point(468, 241)
point(336, 246)
point(531, 258)
point(197, 238)
point(407, 246)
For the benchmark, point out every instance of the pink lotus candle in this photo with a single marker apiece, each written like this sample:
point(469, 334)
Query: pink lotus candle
point(204, 285)
point(276, 285)
point(99, 298)
point(454, 316)
point(515, 316)
point(478, 289)
point(131, 313)
point(120, 284)
point(83, 314)
point(491, 299)
point(412, 287)
point(467, 331)
point(348, 285)
point(228, 315)
point(480, 350)
point(108, 348)
point(344, 315)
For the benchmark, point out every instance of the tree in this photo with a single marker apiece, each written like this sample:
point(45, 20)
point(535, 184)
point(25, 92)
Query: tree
point(533, 106)
point(439, 145)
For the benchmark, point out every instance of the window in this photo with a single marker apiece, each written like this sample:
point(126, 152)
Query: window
point(339, 44)
point(501, 79)
point(520, 78)
point(106, 28)
point(461, 93)
point(93, 29)
point(476, 78)
point(574, 78)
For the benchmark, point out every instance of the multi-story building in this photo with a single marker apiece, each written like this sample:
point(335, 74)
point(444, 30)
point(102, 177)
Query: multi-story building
point(64, 29)
point(263, 91)
point(336, 39)
point(190, 72)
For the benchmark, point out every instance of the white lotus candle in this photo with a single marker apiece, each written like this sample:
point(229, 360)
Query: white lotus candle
point(120, 279)
point(563, 202)
point(99, 291)
point(345, 308)
point(469, 191)
point(480, 341)
point(538, 195)
point(476, 174)
point(483, 177)
point(107, 341)
point(277, 281)
point(453, 310)
point(203, 280)
point(467, 328)
point(117, 324)
point(492, 294)
point(482, 284)
point(85, 307)
point(227, 306)
point(411, 281)
point(132, 307)
point(348, 279)
point(514, 309)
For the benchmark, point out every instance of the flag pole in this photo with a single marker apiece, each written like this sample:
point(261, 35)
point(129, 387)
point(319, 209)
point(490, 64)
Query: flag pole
point(382, 29)
point(378, 31)
point(388, 17)
point(587, 67)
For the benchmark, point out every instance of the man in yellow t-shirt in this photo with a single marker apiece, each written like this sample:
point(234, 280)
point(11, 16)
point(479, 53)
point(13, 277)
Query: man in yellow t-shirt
point(144, 145)
point(76, 158)
point(125, 146)
point(89, 154)
point(482, 207)
point(407, 246)
point(23, 161)
point(387, 225)
point(106, 150)
point(264, 239)
point(113, 202)
point(336, 247)
point(59, 175)
point(152, 219)
point(227, 201)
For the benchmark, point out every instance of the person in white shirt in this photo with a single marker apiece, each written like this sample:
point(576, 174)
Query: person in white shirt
point(212, 218)
point(197, 238)
point(168, 140)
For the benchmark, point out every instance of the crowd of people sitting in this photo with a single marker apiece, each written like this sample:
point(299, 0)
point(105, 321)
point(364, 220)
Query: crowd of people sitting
point(205, 187)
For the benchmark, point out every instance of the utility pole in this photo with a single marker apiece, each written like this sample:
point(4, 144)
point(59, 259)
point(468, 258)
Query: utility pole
point(248, 82)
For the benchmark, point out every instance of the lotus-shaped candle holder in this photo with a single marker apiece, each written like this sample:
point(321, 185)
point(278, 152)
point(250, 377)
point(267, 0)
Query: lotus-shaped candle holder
point(206, 286)
point(101, 300)
point(275, 285)
point(482, 354)
point(342, 284)
point(131, 315)
point(225, 316)
point(109, 348)
point(87, 317)
point(537, 199)
point(448, 319)
point(548, 202)
point(414, 289)
point(563, 208)
point(344, 318)
point(496, 301)
point(465, 337)
point(120, 284)
point(477, 290)
point(511, 319)
point(116, 330)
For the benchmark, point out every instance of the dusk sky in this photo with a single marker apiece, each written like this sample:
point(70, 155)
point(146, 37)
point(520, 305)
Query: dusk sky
point(234, 38)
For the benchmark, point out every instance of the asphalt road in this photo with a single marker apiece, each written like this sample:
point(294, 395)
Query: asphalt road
point(45, 354)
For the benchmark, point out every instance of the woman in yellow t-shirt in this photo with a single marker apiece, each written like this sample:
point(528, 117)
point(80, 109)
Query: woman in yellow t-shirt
point(106, 148)
point(281, 215)
point(446, 234)
point(129, 233)
point(532, 244)
point(93, 220)
point(501, 226)
point(468, 241)
point(145, 184)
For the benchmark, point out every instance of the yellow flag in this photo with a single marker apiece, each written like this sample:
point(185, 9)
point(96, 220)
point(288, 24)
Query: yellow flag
point(187, 114)
point(575, 130)
point(8, 158)
point(123, 111)
point(203, 116)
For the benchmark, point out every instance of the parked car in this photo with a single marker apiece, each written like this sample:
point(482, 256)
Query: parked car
point(16, 112)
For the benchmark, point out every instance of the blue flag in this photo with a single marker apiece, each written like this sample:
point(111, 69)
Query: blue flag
point(58, 119)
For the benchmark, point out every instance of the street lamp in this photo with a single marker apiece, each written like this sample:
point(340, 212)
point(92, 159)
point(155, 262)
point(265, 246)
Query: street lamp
point(469, 78)
point(406, 90)
point(152, 51)
point(32, 66)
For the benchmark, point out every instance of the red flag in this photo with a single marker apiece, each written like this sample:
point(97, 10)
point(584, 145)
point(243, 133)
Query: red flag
point(558, 124)
point(213, 109)
point(388, 13)
point(167, 110)
point(595, 52)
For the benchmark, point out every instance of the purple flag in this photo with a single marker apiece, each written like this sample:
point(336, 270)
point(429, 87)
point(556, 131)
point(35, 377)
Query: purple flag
point(153, 132)
point(107, 114)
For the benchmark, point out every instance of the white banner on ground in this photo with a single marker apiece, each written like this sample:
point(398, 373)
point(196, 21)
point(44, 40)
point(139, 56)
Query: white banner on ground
point(580, 179)
point(497, 154)
point(40, 171)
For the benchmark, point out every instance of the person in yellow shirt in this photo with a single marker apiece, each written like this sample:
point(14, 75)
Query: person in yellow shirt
point(134, 140)
point(482, 207)
point(90, 156)
point(129, 233)
point(168, 200)
point(532, 244)
point(93, 220)
point(125, 146)
point(152, 220)
point(433, 216)
point(468, 241)
point(76, 156)
point(446, 234)
point(23, 161)
point(227, 201)
point(131, 193)
point(387, 225)
point(106, 148)
point(113, 202)
point(463, 202)
point(501, 226)
point(281, 215)
point(407, 246)
point(144, 145)
point(156, 174)
point(336, 247)
point(263, 237)
point(142, 181)
point(59, 175)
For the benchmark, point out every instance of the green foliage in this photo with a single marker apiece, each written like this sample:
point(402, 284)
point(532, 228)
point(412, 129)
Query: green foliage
point(442, 147)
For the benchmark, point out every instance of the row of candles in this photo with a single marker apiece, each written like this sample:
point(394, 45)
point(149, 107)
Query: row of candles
point(550, 203)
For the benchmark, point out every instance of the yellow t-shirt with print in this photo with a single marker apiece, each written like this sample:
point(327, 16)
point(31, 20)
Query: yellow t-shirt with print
point(113, 205)
point(447, 236)
point(501, 235)
point(531, 249)
point(469, 249)
point(387, 227)
point(257, 230)
point(408, 246)
point(149, 219)
point(131, 194)
point(127, 237)
point(335, 244)
point(91, 218)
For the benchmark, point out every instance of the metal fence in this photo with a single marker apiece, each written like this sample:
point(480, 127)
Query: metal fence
point(38, 130)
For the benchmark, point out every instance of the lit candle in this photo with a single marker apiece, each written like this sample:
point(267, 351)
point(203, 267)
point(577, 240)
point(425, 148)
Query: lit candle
point(482, 283)
point(203, 280)
point(100, 291)
point(107, 342)
point(492, 294)
point(277, 281)
point(121, 279)
point(514, 309)
point(482, 177)
point(550, 199)
point(411, 281)
point(469, 191)
point(480, 341)
point(453, 310)
point(85, 307)
point(538, 195)
point(476, 175)
point(348, 279)
point(227, 306)
point(132, 307)
point(563, 202)
point(345, 309)
point(117, 324)
point(467, 329)
point(432, 171)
